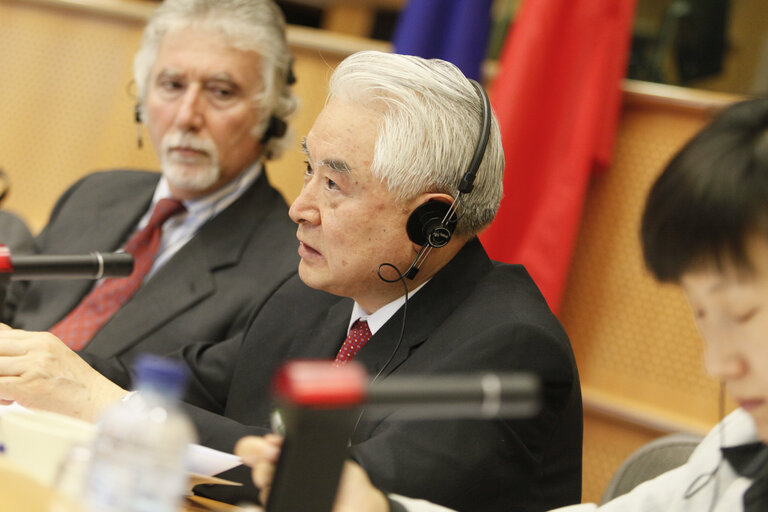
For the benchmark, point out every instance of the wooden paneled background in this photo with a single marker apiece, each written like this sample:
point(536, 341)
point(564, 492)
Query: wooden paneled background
point(637, 349)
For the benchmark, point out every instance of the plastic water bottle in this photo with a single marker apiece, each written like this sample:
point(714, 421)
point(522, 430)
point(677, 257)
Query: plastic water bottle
point(139, 455)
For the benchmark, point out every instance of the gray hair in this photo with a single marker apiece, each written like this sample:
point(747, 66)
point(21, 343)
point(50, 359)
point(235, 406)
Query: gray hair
point(249, 25)
point(430, 127)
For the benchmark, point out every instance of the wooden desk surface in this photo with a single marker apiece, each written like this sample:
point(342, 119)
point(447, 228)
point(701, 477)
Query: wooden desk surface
point(21, 493)
point(200, 504)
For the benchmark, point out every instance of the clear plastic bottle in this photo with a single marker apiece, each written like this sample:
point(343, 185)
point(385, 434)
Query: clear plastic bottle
point(139, 455)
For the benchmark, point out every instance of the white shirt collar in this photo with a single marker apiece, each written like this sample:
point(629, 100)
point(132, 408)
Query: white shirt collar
point(180, 229)
point(379, 317)
point(214, 200)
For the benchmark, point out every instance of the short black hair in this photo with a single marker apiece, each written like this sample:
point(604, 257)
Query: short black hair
point(711, 197)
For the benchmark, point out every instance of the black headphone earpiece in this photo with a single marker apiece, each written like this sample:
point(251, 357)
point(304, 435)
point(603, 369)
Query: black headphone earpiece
point(137, 120)
point(426, 227)
point(290, 76)
point(275, 128)
point(5, 185)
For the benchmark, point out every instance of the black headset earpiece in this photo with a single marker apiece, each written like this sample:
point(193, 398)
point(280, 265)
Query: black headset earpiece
point(426, 227)
point(5, 185)
point(137, 120)
point(432, 224)
point(290, 76)
point(275, 128)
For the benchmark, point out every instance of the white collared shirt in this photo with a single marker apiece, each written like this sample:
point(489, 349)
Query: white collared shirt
point(667, 492)
point(378, 318)
point(725, 493)
point(180, 229)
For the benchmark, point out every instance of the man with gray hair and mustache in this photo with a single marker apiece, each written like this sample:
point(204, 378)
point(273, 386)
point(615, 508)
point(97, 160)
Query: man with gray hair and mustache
point(209, 235)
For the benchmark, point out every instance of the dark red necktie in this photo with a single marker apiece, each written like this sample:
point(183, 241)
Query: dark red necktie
point(78, 327)
point(358, 336)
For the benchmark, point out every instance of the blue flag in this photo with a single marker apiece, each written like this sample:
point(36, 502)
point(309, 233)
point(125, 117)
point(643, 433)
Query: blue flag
point(452, 30)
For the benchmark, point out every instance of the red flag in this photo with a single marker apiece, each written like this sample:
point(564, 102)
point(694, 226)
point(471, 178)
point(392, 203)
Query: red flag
point(557, 97)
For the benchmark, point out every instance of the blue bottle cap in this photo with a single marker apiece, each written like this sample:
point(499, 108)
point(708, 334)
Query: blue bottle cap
point(161, 373)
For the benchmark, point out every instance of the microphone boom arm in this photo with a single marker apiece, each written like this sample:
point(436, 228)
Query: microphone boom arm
point(95, 265)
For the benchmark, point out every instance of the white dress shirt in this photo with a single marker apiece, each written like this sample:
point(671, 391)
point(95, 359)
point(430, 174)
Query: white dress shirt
point(180, 229)
point(378, 318)
point(667, 492)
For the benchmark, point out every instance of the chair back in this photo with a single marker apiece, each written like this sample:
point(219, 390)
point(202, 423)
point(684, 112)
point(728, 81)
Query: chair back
point(649, 461)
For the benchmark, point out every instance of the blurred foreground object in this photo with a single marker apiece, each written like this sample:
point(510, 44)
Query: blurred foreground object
point(139, 456)
point(321, 405)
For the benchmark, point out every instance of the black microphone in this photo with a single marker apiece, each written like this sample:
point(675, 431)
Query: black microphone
point(28, 267)
point(481, 395)
point(319, 384)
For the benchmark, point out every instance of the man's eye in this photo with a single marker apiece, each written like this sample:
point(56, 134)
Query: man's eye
point(221, 93)
point(171, 85)
point(746, 316)
point(331, 184)
point(308, 170)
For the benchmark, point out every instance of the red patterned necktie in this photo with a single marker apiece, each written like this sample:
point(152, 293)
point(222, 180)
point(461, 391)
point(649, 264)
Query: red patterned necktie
point(78, 327)
point(358, 336)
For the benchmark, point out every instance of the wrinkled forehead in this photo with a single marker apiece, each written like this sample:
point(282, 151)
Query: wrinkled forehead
point(345, 132)
point(207, 55)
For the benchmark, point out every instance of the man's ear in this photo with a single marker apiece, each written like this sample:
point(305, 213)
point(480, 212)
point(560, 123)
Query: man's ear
point(427, 223)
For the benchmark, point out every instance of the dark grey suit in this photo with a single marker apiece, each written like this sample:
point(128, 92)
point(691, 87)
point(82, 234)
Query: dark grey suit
point(204, 292)
point(473, 315)
point(15, 234)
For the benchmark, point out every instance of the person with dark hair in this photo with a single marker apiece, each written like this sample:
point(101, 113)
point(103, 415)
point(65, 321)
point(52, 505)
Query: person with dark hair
point(705, 228)
point(711, 201)
point(209, 235)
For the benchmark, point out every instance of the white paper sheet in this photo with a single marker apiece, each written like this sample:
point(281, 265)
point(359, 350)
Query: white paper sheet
point(201, 460)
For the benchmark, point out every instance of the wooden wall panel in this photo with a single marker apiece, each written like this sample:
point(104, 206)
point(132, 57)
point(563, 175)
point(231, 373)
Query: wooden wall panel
point(637, 349)
point(630, 334)
point(65, 103)
point(607, 443)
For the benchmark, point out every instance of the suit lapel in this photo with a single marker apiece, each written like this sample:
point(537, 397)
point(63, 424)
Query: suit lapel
point(225, 236)
point(164, 296)
point(117, 220)
point(188, 277)
point(116, 212)
point(323, 339)
point(116, 217)
point(427, 310)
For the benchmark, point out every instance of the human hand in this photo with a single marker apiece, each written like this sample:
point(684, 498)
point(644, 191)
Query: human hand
point(356, 492)
point(261, 454)
point(38, 371)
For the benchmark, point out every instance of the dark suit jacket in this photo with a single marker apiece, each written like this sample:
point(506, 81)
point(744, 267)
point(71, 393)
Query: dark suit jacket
point(204, 292)
point(15, 234)
point(473, 315)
